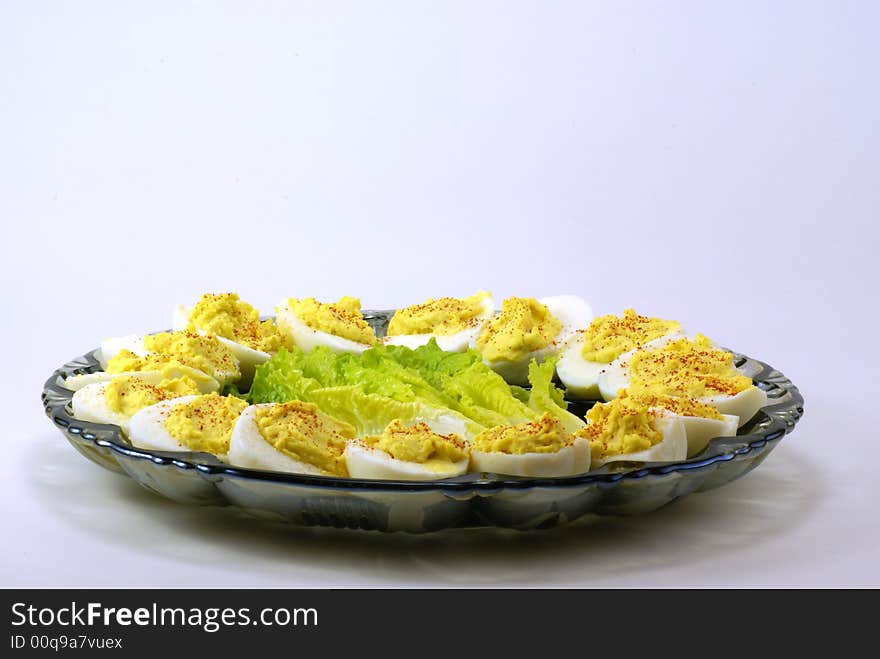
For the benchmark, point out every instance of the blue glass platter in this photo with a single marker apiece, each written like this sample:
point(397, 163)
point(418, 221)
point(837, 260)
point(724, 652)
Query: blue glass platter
point(472, 500)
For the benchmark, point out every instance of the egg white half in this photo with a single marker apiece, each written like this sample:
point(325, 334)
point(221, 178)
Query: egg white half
point(180, 317)
point(571, 311)
point(248, 448)
point(90, 404)
point(457, 342)
point(205, 383)
point(581, 377)
point(112, 346)
point(568, 461)
point(744, 405)
point(700, 430)
point(449, 424)
point(147, 427)
point(672, 448)
point(366, 462)
point(307, 338)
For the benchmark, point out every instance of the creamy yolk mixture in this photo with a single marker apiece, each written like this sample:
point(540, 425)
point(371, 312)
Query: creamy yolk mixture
point(127, 395)
point(418, 443)
point(680, 406)
point(306, 434)
point(546, 435)
point(226, 315)
point(608, 337)
point(205, 423)
point(444, 316)
point(177, 387)
point(523, 326)
point(342, 318)
point(205, 353)
point(686, 368)
point(622, 426)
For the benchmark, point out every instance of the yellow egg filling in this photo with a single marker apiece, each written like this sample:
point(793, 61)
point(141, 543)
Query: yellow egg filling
point(205, 423)
point(680, 406)
point(226, 315)
point(610, 336)
point(418, 443)
point(625, 425)
point(302, 432)
point(177, 387)
point(270, 338)
point(546, 435)
point(125, 361)
point(443, 316)
point(342, 318)
point(127, 395)
point(523, 326)
point(686, 368)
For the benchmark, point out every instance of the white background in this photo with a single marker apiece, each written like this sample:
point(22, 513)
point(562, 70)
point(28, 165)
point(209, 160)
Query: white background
point(712, 162)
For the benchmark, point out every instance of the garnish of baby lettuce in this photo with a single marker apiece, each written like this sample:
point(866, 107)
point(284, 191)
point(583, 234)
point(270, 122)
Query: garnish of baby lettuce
point(394, 382)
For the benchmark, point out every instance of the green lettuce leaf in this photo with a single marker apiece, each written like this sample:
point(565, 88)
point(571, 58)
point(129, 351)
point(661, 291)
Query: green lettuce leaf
point(366, 391)
point(470, 387)
point(371, 413)
point(520, 393)
point(484, 396)
point(547, 397)
point(282, 379)
point(452, 392)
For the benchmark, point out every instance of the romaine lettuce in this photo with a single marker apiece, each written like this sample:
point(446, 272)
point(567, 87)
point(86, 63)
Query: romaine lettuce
point(547, 397)
point(452, 392)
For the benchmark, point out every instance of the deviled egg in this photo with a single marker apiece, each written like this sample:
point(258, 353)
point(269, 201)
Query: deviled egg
point(541, 448)
point(684, 367)
point(237, 325)
point(153, 369)
point(204, 353)
point(339, 326)
point(454, 323)
point(407, 453)
point(625, 430)
point(117, 400)
point(701, 421)
point(294, 436)
point(528, 329)
point(590, 350)
point(189, 423)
